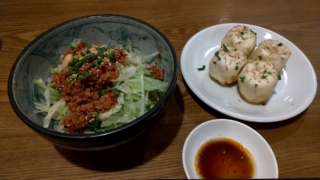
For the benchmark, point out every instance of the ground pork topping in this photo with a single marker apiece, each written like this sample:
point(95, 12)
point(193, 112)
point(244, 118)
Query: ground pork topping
point(84, 87)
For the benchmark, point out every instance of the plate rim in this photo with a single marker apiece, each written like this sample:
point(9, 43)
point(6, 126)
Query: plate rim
point(211, 104)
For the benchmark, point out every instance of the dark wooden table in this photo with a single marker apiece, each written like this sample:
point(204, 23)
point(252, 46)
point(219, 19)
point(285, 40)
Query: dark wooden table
point(156, 154)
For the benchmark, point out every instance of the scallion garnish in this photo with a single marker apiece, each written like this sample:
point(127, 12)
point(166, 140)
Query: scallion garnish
point(279, 77)
point(260, 57)
point(81, 76)
point(225, 48)
point(88, 51)
point(280, 44)
point(265, 71)
point(263, 77)
point(217, 55)
point(100, 53)
point(255, 85)
point(202, 68)
point(86, 75)
point(242, 78)
point(111, 55)
point(82, 53)
point(101, 92)
point(236, 67)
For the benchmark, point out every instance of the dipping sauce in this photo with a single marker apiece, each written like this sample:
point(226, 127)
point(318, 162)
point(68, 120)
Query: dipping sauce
point(224, 158)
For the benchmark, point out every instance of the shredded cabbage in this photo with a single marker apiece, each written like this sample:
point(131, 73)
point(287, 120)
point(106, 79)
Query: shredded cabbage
point(138, 91)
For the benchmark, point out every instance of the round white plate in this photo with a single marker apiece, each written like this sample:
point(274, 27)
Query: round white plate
point(264, 159)
point(293, 94)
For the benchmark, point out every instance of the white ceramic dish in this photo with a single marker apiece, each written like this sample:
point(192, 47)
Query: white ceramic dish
point(265, 161)
point(293, 94)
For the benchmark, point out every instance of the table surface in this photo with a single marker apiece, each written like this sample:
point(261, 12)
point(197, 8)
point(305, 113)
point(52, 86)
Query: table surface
point(158, 153)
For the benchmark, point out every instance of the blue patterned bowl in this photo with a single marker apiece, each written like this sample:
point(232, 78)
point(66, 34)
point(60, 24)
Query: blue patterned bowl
point(42, 55)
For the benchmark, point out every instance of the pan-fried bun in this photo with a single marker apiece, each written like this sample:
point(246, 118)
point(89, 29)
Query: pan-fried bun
point(241, 38)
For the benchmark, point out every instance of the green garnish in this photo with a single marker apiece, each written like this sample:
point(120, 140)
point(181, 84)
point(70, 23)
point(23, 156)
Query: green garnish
point(101, 92)
point(280, 44)
point(279, 77)
point(111, 55)
point(225, 48)
point(100, 53)
point(74, 76)
point(260, 57)
point(241, 33)
point(68, 80)
point(263, 77)
point(235, 49)
point(265, 71)
point(269, 73)
point(95, 62)
point(202, 68)
point(72, 47)
point(81, 76)
point(88, 51)
point(226, 67)
point(255, 85)
point(86, 74)
point(217, 55)
point(263, 104)
point(242, 78)
point(236, 67)
point(82, 53)
point(83, 60)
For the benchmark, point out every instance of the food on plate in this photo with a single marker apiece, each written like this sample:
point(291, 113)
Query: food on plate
point(241, 38)
point(272, 51)
point(257, 81)
point(99, 88)
point(226, 65)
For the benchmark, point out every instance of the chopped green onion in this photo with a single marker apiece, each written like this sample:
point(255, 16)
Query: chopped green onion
point(241, 33)
point(236, 67)
point(100, 53)
point(68, 80)
point(255, 85)
point(235, 49)
point(217, 55)
point(86, 74)
point(72, 47)
point(225, 48)
point(82, 53)
point(81, 76)
point(269, 73)
point(88, 51)
point(279, 77)
point(226, 67)
point(265, 71)
point(83, 60)
point(74, 76)
point(242, 78)
point(263, 104)
point(95, 62)
point(202, 68)
point(263, 77)
point(260, 57)
point(280, 44)
point(101, 92)
point(111, 55)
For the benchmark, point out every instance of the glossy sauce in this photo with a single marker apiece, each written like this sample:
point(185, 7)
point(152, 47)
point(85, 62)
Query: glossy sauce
point(224, 158)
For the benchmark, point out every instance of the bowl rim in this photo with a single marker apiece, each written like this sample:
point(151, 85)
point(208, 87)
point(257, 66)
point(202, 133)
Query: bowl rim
point(148, 115)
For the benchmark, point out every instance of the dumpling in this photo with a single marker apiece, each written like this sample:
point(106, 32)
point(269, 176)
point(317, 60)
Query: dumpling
point(257, 81)
point(241, 38)
point(226, 65)
point(272, 51)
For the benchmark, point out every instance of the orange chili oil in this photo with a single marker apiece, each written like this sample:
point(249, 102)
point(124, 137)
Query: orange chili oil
point(224, 158)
